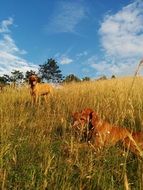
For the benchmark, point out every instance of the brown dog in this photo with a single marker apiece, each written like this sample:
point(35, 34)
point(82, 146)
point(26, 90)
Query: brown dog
point(38, 89)
point(100, 133)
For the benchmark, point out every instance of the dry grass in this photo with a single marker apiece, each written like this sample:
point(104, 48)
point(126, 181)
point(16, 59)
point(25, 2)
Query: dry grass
point(39, 151)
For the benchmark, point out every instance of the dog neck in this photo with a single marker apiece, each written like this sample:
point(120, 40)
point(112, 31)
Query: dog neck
point(33, 86)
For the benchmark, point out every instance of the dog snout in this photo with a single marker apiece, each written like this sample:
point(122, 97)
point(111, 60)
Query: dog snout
point(75, 124)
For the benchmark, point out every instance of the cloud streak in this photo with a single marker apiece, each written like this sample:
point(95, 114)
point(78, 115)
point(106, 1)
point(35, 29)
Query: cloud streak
point(66, 17)
point(10, 55)
point(4, 26)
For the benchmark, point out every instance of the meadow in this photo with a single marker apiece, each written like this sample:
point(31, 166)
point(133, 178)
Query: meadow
point(38, 149)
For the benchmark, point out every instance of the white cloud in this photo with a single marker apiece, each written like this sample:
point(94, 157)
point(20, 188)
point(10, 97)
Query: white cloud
point(100, 66)
point(5, 24)
point(10, 62)
point(7, 44)
point(103, 67)
point(122, 37)
point(10, 55)
point(64, 60)
point(122, 33)
point(67, 16)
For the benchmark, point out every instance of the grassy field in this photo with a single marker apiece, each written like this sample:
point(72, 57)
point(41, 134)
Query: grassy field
point(39, 151)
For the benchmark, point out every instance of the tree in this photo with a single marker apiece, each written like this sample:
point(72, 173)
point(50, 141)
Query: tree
point(50, 71)
point(71, 78)
point(5, 79)
point(17, 77)
point(2, 80)
point(102, 78)
point(113, 77)
point(86, 79)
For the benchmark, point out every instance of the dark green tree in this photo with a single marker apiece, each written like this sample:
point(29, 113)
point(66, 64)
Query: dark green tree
point(17, 76)
point(86, 79)
point(50, 71)
point(71, 78)
point(5, 79)
point(102, 78)
point(2, 81)
point(113, 77)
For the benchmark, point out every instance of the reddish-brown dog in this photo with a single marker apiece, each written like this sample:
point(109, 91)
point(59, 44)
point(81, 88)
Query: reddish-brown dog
point(38, 89)
point(100, 133)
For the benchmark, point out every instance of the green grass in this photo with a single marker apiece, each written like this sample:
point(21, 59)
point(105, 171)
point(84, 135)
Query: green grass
point(39, 151)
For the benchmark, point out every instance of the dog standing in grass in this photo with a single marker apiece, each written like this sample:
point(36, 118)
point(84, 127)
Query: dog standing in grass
point(39, 89)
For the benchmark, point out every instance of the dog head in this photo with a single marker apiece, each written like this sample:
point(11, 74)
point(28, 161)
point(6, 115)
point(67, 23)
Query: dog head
point(85, 117)
point(33, 79)
point(85, 121)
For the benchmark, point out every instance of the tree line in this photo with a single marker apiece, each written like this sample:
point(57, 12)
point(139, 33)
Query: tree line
point(47, 72)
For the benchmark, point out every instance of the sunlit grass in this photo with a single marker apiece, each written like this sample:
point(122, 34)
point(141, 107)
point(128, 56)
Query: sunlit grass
point(39, 151)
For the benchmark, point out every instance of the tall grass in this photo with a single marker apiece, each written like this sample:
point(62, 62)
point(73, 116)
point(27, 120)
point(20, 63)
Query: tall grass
point(38, 149)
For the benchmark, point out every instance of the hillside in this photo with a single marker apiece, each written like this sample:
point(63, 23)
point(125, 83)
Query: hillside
point(39, 150)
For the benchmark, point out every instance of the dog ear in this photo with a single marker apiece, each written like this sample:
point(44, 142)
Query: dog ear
point(90, 124)
point(30, 79)
point(93, 119)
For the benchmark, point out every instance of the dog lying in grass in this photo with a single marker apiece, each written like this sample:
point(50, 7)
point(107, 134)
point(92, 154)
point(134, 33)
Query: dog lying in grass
point(39, 89)
point(101, 134)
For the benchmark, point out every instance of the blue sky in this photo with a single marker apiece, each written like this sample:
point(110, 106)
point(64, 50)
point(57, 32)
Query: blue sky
point(86, 37)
